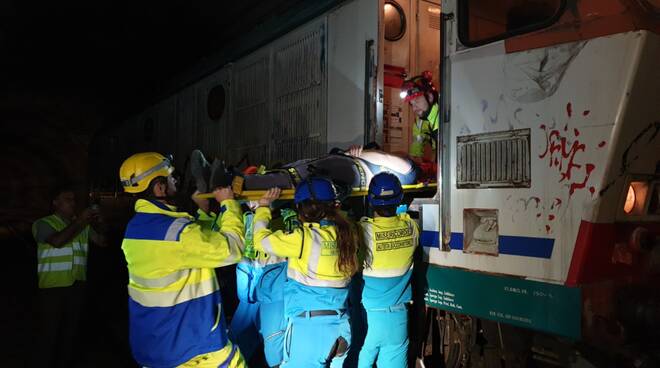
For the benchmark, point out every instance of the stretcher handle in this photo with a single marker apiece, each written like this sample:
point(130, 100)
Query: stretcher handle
point(253, 195)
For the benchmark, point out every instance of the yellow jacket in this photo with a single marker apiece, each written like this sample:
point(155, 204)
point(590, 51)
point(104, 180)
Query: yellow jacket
point(391, 242)
point(175, 308)
point(311, 250)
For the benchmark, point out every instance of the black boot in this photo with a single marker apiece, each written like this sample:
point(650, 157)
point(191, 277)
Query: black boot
point(221, 177)
point(201, 171)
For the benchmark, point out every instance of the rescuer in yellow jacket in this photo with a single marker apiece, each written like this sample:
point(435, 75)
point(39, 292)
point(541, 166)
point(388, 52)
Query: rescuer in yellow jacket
point(322, 257)
point(422, 96)
point(175, 308)
point(390, 241)
point(62, 245)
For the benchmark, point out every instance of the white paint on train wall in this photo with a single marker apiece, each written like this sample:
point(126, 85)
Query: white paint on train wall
point(349, 28)
point(535, 75)
point(571, 112)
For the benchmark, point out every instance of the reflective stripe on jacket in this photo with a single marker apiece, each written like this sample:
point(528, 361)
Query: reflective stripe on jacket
point(311, 250)
point(174, 299)
point(61, 267)
point(421, 132)
point(315, 281)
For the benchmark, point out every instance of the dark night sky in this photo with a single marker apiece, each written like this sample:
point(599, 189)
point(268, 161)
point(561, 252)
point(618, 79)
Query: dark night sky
point(67, 70)
point(71, 68)
point(119, 54)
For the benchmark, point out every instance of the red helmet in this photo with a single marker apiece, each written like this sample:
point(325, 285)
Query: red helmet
point(419, 86)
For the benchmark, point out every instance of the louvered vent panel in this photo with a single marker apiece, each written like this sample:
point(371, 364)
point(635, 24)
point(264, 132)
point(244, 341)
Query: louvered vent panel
point(494, 160)
point(300, 127)
point(249, 131)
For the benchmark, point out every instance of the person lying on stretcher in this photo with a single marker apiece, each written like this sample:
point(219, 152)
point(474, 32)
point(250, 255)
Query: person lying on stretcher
point(353, 168)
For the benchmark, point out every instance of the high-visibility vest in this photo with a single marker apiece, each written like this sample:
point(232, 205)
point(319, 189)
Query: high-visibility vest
point(391, 243)
point(314, 281)
point(311, 250)
point(421, 132)
point(175, 308)
point(61, 267)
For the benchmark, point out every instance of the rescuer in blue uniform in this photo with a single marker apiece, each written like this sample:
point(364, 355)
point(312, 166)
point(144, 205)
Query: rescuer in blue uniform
point(390, 241)
point(322, 257)
point(260, 280)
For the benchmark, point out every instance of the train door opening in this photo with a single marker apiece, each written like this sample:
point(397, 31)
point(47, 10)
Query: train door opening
point(411, 45)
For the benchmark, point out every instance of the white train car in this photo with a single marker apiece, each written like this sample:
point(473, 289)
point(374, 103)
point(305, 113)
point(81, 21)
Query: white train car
point(548, 215)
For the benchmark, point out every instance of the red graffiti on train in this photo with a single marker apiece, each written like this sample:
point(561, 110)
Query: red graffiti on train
point(562, 152)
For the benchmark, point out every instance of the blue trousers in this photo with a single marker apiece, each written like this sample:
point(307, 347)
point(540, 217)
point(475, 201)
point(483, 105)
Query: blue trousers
point(272, 326)
point(256, 322)
point(244, 329)
point(387, 339)
point(309, 341)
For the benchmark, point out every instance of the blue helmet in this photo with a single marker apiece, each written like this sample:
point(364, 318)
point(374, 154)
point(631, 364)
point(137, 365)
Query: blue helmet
point(385, 190)
point(317, 189)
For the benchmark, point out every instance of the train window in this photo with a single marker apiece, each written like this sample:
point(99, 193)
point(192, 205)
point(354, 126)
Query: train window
point(395, 21)
point(485, 21)
point(215, 102)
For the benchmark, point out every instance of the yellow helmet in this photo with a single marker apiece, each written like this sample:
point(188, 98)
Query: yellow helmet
point(140, 169)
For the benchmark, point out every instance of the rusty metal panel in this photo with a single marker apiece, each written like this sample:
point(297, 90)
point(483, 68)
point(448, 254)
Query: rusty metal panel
point(494, 160)
point(299, 95)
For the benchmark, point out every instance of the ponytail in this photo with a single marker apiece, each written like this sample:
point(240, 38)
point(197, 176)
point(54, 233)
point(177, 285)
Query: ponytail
point(347, 240)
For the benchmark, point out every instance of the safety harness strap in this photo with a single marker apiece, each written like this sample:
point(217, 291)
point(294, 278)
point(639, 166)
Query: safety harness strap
point(360, 169)
point(295, 175)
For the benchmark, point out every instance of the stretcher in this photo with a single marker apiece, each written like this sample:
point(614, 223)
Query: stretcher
point(253, 195)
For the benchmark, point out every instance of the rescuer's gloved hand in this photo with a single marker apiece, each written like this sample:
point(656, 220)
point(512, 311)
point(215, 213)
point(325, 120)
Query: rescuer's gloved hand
point(290, 219)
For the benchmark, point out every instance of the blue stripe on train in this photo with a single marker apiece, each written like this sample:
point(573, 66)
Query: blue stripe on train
point(510, 245)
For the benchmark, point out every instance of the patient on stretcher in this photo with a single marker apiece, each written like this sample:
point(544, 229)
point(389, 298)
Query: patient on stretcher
point(353, 168)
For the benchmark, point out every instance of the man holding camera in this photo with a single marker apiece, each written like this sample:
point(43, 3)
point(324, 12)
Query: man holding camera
point(62, 245)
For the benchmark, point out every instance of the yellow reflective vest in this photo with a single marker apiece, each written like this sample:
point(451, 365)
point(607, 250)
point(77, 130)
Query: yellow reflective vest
point(391, 243)
point(311, 250)
point(175, 308)
point(422, 131)
point(61, 267)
